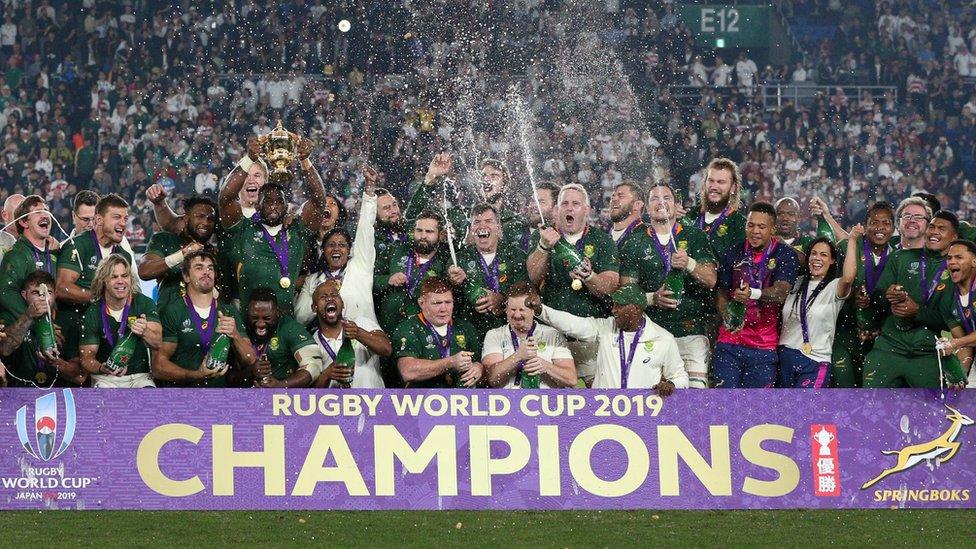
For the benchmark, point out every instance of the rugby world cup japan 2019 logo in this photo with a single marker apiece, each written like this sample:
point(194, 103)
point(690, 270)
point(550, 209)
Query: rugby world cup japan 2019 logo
point(46, 436)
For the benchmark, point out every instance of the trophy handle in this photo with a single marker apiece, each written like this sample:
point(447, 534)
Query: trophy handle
point(263, 139)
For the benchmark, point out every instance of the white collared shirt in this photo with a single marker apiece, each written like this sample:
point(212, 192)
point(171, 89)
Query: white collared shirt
point(367, 374)
point(551, 346)
point(655, 356)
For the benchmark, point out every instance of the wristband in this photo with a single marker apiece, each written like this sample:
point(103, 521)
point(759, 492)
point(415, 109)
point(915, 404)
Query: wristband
point(589, 277)
point(543, 249)
point(174, 259)
point(245, 163)
point(649, 296)
point(755, 294)
point(691, 264)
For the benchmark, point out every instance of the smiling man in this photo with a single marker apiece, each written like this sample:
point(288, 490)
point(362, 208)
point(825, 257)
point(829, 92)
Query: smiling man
point(79, 259)
point(166, 251)
point(719, 213)
point(31, 252)
point(390, 226)
point(403, 267)
point(915, 286)
point(626, 207)
point(961, 260)
point(582, 290)
point(759, 275)
point(119, 311)
point(287, 356)
point(485, 271)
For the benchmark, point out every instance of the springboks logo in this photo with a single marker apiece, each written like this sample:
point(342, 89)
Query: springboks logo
point(944, 448)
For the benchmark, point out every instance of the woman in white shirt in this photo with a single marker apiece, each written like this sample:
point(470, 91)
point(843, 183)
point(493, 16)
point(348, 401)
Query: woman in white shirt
point(810, 314)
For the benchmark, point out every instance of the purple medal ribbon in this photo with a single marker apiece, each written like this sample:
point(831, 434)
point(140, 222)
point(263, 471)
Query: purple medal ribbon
point(718, 221)
point(110, 336)
point(759, 277)
point(526, 237)
point(330, 276)
point(205, 329)
point(966, 311)
point(804, 304)
point(325, 344)
point(872, 272)
point(443, 343)
point(412, 282)
point(630, 228)
point(490, 271)
point(98, 247)
point(280, 249)
point(664, 251)
point(626, 360)
point(515, 346)
point(928, 290)
point(260, 350)
point(47, 257)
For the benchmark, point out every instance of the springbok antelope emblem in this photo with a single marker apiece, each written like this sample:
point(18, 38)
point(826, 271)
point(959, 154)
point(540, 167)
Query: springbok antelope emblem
point(944, 447)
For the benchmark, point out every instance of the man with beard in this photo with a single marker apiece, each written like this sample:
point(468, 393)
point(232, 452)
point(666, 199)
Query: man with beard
point(581, 291)
point(634, 352)
point(166, 251)
point(719, 214)
point(20, 348)
point(190, 328)
point(759, 275)
point(119, 311)
point(546, 193)
point(369, 343)
point(350, 263)
point(287, 356)
point(79, 259)
point(485, 270)
point(400, 271)
point(787, 226)
point(32, 252)
point(668, 248)
point(263, 249)
point(961, 262)
point(626, 207)
point(915, 286)
point(493, 190)
point(856, 329)
point(390, 226)
point(523, 347)
point(433, 350)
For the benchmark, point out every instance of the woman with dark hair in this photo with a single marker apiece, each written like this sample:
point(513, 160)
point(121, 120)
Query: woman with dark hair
point(348, 261)
point(810, 314)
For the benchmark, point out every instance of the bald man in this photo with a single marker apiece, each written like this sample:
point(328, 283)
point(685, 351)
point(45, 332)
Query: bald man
point(9, 234)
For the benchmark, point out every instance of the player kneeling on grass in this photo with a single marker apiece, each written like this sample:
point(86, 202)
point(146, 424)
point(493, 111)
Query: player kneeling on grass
point(810, 314)
point(524, 353)
point(119, 328)
point(287, 354)
point(432, 349)
point(634, 352)
point(337, 335)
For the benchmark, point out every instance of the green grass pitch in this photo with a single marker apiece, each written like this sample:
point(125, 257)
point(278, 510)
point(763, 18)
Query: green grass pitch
point(941, 528)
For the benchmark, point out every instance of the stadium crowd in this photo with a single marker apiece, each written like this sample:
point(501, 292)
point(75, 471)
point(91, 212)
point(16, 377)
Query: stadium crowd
point(134, 125)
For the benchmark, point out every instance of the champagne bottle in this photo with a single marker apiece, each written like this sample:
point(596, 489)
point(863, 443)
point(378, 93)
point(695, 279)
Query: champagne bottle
point(567, 254)
point(218, 353)
point(675, 280)
point(735, 312)
point(474, 291)
point(530, 381)
point(346, 357)
point(44, 328)
point(823, 228)
point(122, 353)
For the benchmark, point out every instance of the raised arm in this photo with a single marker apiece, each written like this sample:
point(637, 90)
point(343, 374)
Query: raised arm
point(227, 203)
point(312, 212)
point(167, 219)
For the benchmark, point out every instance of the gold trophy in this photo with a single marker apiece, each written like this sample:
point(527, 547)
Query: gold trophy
point(279, 149)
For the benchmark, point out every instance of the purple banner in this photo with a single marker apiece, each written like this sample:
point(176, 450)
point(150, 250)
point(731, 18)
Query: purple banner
point(352, 449)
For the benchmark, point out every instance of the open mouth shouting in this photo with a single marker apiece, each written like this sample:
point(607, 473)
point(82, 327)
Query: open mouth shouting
point(955, 273)
point(331, 312)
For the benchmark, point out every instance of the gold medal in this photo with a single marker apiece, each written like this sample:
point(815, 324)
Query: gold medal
point(807, 348)
point(285, 282)
point(577, 284)
point(41, 377)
